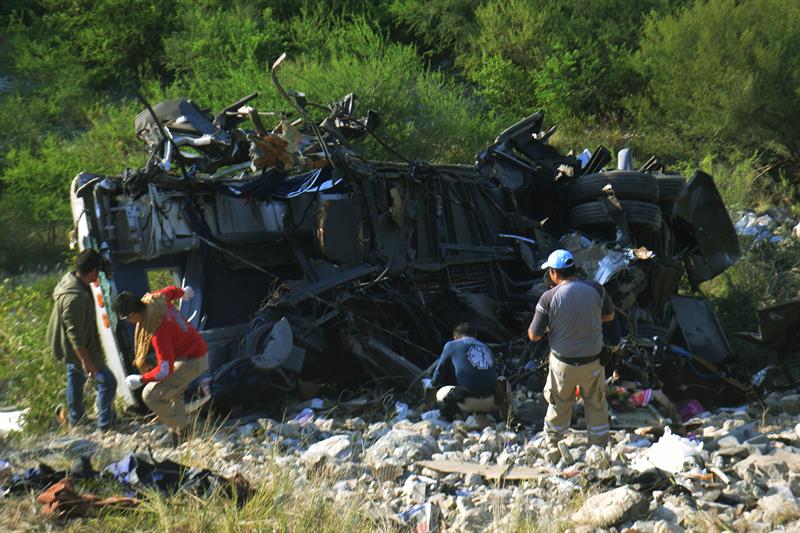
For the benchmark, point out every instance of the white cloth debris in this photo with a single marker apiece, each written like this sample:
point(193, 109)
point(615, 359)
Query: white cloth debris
point(759, 227)
point(668, 454)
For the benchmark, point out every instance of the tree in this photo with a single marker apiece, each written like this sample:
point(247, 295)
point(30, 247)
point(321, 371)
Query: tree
point(574, 53)
point(723, 73)
point(445, 27)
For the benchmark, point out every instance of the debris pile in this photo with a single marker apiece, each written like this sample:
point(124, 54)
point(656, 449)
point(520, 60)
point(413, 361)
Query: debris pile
point(773, 225)
point(731, 468)
point(134, 475)
point(314, 267)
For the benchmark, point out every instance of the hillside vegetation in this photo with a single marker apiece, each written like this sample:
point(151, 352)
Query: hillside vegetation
point(698, 83)
point(710, 84)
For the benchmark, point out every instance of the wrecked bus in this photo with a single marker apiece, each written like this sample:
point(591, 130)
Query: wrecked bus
point(312, 263)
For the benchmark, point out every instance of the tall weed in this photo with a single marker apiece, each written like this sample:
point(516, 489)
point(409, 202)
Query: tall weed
point(767, 274)
point(32, 377)
point(744, 182)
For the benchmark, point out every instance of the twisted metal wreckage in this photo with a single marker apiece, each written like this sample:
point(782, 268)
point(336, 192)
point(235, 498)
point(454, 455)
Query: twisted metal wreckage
point(309, 261)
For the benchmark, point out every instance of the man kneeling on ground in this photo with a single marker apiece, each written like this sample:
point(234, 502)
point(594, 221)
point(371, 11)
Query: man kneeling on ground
point(469, 365)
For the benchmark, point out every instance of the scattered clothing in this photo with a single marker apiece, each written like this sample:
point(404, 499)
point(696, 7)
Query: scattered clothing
point(690, 409)
point(36, 478)
point(170, 477)
point(61, 499)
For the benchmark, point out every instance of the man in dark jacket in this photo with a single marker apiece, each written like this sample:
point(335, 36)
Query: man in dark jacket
point(72, 334)
point(466, 369)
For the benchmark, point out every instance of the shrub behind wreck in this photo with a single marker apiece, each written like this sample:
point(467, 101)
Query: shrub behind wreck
point(723, 74)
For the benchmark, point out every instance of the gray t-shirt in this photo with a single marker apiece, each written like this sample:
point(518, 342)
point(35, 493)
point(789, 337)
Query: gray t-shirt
point(572, 312)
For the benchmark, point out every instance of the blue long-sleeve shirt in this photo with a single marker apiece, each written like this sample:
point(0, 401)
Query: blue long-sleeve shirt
point(473, 363)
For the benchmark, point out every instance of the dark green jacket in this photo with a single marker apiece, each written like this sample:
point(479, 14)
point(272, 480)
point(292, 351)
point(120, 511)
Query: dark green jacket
point(73, 321)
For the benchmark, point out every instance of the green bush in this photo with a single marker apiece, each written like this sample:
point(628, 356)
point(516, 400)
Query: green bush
point(218, 45)
point(722, 74)
point(745, 182)
point(34, 205)
point(99, 44)
point(767, 274)
point(498, 80)
point(33, 377)
point(575, 54)
point(446, 27)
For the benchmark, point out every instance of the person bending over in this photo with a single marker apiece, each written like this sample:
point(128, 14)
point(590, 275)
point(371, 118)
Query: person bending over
point(181, 353)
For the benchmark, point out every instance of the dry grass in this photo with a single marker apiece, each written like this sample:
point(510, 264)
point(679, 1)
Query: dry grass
point(283, 501)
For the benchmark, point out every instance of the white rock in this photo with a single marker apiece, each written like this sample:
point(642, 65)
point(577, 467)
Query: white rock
point(780, 508)
point(473, 480)
point(336, 448)
point(610, 508)
point(463, 503)
point(473, 422)
point(566, 454)
point(397, 450)
point(727, 441)
point(376, 430)
point(656, 526)
point(597, 457)
point(790, 403)
point(415, 487)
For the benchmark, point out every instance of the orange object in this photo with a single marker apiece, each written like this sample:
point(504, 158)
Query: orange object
point(99, 300)
point(106, 321)
point(577, 391)
point(61, 499)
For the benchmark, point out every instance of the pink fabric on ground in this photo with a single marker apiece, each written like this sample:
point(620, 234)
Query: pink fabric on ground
point(690, 409)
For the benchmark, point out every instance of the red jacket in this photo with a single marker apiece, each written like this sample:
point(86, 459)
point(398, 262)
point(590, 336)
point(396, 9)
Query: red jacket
point(174, 338)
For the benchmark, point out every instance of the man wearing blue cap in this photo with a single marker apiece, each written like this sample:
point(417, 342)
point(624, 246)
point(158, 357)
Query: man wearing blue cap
point(572, 313)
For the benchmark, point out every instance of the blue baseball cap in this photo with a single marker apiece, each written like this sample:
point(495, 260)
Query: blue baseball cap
point(558, 260)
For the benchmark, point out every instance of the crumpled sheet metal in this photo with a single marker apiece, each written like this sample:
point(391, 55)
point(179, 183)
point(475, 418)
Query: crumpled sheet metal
point(599, 262)
point(610, 265)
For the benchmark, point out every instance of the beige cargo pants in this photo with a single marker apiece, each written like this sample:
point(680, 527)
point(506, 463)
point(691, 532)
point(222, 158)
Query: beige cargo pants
point(559, 391)
point(469, 404)
point(165, 398)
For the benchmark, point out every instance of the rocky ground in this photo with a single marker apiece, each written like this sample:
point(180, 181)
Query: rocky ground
point(739, 470)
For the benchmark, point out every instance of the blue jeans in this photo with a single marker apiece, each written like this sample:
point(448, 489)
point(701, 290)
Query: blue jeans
point(106, 390)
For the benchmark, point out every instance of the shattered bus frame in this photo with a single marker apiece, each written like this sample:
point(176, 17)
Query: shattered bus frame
point(372, 263)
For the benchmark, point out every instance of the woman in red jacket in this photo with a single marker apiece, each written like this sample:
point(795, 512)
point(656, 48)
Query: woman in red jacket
point(181, 353)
